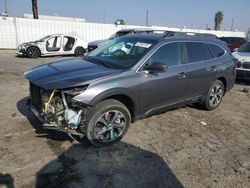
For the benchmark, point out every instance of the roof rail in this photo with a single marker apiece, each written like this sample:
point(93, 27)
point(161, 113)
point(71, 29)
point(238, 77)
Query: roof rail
point(188, 34)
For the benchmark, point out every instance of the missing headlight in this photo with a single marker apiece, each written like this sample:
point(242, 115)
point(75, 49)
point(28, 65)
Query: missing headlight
point(76, 90)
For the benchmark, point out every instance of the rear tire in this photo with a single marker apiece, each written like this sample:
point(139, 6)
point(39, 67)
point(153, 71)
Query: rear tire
point(33, 52)
point(214, 95)
point(79, 51)
point(107, 123)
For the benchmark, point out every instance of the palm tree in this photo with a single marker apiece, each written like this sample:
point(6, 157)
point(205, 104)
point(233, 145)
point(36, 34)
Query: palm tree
point(218, 20)
point(34, 9)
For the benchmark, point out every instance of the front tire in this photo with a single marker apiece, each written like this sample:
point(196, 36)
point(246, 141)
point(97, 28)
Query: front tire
point(214, 95)
point(79, 51)
point(107, 123)
point(33, 52)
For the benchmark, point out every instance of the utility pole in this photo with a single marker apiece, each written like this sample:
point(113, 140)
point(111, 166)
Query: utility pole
point(5, 8)
point(34, 9)
point(232, 25)
point(147, 12)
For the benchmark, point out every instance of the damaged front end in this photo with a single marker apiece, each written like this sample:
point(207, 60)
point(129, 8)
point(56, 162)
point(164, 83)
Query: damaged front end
point(56, 109)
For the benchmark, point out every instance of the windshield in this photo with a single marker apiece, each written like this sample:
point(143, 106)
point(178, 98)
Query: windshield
point(245, 47)
point(44, 38)
point(118, 34)
point(121, 53)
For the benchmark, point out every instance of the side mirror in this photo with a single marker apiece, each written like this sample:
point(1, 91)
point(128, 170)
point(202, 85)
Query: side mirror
point(235, 49)
point(156, 67)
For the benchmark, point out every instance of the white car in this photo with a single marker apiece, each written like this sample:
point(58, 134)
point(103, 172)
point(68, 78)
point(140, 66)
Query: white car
point(243, 57)
point(57, 44)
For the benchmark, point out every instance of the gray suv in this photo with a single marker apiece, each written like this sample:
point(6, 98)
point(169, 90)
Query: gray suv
point(129, 78)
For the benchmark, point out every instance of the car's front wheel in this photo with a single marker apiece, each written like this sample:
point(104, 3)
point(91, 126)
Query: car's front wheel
point(214, 95)
point(107, 122)
point(33, 52)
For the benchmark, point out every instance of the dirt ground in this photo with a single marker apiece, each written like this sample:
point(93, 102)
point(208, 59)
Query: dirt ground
point(187, 147)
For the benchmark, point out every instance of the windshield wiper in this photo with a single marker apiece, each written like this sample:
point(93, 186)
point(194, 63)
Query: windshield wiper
point(97, 62)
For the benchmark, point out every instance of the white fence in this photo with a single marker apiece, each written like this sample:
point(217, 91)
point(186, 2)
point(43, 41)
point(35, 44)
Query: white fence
point(14, 31)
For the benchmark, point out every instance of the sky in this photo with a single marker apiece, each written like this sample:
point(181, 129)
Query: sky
point(171, 13)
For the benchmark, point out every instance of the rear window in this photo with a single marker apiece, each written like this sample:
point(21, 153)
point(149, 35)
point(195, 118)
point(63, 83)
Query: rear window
point(232, 39)
point(195, 52)
point(216, 50)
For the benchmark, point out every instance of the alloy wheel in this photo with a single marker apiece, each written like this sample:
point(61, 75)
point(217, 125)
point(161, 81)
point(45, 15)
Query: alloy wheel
point(216, 95)
point(109, 126)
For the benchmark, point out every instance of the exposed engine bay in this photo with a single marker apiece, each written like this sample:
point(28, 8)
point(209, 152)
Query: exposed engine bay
point(56, 110)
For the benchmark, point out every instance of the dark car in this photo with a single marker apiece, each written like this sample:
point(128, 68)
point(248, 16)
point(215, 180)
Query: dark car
point(233, 42)
point(129, 78)
point(97, 43)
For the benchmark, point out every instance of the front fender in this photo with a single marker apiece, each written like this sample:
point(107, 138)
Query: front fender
point(112, 92)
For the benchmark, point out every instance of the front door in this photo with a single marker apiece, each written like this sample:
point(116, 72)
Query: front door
point(53, 44)
point(159, 90)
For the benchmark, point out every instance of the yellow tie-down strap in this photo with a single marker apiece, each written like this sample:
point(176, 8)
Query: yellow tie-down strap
point(46, 104)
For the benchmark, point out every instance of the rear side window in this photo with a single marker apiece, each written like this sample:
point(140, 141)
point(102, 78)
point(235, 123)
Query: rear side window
point(195, 52)
point(209, 53)
point(216, 50)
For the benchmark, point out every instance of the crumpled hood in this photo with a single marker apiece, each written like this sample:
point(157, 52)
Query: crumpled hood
point(31, 43)
point(67, 73)
point(242, 56)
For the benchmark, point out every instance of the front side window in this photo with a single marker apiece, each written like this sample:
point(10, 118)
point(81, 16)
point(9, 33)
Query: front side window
point(169, 54)
point(245, 47)
point(122, 52)
point(195, 52)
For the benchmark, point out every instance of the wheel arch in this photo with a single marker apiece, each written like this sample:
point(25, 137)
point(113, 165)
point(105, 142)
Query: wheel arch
point(33, 46)
point(120, 95)
point(224, 81)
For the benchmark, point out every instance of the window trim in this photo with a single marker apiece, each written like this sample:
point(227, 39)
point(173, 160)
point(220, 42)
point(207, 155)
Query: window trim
point(184, 55)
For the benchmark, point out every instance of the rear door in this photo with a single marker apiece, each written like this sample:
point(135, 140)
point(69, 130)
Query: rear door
point(68, 44)
point(202, 62)
point(165, 88)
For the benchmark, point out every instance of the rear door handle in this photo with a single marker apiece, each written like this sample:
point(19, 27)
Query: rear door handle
point(213, 68)
point(182, 75)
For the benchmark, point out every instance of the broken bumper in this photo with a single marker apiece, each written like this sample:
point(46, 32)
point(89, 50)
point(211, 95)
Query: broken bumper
point(42, 120)
point(53, 126)
point(21, 52)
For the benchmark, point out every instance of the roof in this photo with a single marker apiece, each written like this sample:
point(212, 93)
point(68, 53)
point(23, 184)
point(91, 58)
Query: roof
point(136, 29)
point(173, 35)
point(151, 36)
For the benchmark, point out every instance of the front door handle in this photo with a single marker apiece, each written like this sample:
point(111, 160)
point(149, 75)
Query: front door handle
point(213, 68)
point(182, 75)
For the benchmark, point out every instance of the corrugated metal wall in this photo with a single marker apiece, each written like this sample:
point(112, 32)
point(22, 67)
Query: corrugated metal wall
point(14, 31)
